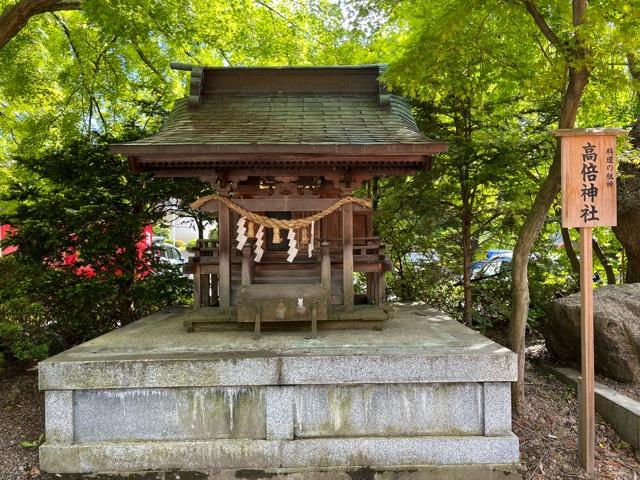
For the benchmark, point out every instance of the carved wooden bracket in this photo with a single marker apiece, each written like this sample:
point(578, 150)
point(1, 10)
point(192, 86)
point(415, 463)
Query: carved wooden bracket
point(197, 87)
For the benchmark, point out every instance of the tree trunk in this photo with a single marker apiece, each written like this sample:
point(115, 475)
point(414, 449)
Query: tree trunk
point(571, 253)
point(628, 230)
point(578, 79)
point(467, 319)
point(200, 226)
point(604, 261)
point(15, 17)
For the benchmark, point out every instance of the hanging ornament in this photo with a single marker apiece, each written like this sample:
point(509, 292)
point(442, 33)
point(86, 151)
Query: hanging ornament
point(251, 233)
point(276, 235)
point(293, 250)
point(242, 237)
point(259, 251)
point(312, 240)
point(305, 236)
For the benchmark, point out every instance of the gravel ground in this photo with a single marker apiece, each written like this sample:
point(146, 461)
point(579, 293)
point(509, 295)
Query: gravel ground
point(547, 432)
point(548, 435)
point(21, 420)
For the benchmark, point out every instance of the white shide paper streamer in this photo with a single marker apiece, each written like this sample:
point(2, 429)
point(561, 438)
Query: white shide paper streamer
point(259, 251)
point(293, 243)
point(242, 231)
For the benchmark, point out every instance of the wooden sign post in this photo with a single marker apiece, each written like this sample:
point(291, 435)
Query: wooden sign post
point(588, 200)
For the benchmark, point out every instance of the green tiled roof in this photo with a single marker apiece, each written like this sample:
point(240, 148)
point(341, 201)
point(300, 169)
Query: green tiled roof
point(316, 110)
point(275, 119)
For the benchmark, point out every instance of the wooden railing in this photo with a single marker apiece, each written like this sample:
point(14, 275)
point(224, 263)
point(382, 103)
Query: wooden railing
point(365, 249)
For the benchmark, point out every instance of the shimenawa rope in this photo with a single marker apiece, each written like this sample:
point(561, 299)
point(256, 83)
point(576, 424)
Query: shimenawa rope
point(276, 222)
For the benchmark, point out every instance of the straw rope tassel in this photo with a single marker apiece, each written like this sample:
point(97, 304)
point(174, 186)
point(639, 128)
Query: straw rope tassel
point(276, 235)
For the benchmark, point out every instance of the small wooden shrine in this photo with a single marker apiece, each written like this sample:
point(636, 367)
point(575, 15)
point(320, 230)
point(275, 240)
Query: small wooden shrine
point(285, 149)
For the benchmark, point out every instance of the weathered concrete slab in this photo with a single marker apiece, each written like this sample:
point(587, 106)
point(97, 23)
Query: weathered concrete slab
point(497, 408)
point(430, 472)
point(252, 454)
point(198, 413)
point(59, 427)
point(419, 345)
point(389, 410)
point(619, 411)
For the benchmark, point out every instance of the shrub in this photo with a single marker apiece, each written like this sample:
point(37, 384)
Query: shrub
point(180, 244)
point(82, 200)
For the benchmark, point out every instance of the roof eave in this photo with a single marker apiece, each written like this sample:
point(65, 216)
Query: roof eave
point(132, 149)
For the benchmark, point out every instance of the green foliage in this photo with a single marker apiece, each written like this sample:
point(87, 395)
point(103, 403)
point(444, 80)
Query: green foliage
point(106, 67)
point(481, 76)
point(32, 443)
point(180, 244)
point(60, 208)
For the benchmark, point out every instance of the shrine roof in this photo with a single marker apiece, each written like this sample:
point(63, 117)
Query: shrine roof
point(287, 110)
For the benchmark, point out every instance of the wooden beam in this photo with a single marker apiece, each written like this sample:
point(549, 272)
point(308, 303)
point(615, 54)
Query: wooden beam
point(290, 203)
point(347, 256)
point(586, 424)
point(212, 171)
point(224, 232)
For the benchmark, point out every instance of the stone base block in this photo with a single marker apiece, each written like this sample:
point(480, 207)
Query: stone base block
point(265, 454)
point(150, 396)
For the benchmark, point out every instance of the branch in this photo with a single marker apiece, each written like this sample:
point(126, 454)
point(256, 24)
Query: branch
point(541, 22)
point(16, 17)
point(148, 63)
point(290, 22)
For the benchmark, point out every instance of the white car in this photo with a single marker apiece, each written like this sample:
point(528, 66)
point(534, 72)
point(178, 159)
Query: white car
point(168, 253)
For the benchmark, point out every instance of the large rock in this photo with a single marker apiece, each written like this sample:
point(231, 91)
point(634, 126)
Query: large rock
point(616, 330)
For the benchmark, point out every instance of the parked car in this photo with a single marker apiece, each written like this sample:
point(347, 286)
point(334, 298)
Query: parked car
point(168, 253)
point(497, 261)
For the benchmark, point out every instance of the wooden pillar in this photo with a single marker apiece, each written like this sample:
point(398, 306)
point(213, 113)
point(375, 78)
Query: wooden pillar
point(205, 294)
point(381, 287)
point(215, 301)
point(197, 289)
point(224, 233)
point(247, 261)
point(325, 267)
point(586, 424)
point(347, 256)
point(372, 282)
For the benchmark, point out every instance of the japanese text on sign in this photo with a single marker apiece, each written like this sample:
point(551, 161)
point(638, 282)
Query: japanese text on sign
point(588, 181)
point(589, 178)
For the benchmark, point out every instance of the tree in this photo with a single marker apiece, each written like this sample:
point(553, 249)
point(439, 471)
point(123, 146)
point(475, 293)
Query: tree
point(15, 17)
point(471, 77)
point(107, 65)
point(582, 41)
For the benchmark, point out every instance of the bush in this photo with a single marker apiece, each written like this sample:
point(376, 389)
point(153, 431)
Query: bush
point(81, 202)
point(180, 244)
point(46, 310)
point(192, 244)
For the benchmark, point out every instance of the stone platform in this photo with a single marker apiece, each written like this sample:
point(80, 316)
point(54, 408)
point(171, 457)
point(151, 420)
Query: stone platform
point(421, 393)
